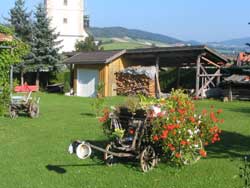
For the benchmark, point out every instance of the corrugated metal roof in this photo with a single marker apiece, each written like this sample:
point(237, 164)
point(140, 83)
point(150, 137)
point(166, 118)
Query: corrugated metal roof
point(235, 78)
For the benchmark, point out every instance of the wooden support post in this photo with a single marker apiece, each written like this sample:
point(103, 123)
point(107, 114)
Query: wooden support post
point(230, 94)
point(198, 64)
point(202, 90)
point(158, 93)
point(219, 78)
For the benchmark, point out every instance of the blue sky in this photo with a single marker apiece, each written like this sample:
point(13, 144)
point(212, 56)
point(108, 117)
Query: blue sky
point(202, 20)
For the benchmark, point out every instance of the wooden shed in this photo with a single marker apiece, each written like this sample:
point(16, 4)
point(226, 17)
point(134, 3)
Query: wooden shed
point(90, 68)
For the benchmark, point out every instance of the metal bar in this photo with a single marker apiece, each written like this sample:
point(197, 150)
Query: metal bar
point(111, 153)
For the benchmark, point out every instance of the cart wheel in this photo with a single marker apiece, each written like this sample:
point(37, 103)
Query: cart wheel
point(13, 114)
point(109, 158)
point(34, 110)
point(148, 159)
point(188, 157)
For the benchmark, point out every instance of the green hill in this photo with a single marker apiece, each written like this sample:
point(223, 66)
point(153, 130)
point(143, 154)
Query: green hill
point(122, 38)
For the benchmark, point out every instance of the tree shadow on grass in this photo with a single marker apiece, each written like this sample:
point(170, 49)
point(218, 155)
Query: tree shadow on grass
point(241, 110)
point(232, 145)
point(88, 115)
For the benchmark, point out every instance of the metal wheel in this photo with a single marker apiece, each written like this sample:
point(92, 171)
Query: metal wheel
point(148, 159)
point(109, 158)
point(34, 110)
point(192, 154)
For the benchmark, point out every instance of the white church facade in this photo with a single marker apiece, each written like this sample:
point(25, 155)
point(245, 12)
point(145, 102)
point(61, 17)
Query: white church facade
point(67, 16)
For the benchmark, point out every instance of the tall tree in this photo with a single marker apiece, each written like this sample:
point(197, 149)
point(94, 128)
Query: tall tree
point(88, 45)
point(45, 46)
point(20, 20)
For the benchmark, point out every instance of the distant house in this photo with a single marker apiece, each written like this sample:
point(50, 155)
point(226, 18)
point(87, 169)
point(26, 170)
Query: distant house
point(91, 68)
point(5, 37)
point(243, 59)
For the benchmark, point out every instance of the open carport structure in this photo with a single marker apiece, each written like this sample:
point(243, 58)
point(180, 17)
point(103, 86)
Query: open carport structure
point(198, 57)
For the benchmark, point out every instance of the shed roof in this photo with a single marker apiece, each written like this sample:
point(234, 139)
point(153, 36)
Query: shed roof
point(176, 56)
point(171, 56)
point(97, 57)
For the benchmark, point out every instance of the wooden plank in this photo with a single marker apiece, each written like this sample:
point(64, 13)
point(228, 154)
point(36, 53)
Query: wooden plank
point(205, 74)
point(207, 83)
point(157, 76)
point(210, 75)
point(198, 64)
point(210, 62)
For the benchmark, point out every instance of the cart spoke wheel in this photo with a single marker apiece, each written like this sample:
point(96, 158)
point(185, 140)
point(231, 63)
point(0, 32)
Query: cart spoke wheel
point(13, 114)
point(34, 110)
point(191, 157)
point(109, 158)
point(148, 159)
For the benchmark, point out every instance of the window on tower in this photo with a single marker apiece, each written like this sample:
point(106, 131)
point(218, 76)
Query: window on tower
point(65, 2)
point(65, 20)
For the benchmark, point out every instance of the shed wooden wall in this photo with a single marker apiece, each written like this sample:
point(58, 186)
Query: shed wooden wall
point(106, 75)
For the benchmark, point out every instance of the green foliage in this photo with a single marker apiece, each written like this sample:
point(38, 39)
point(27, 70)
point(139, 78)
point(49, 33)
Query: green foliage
point(86, 46)
point(9, 57)
point(100, 89)
point(20, 20)
point(44, 47)
point(6, 30)
point(97, 106)
point(66, 87)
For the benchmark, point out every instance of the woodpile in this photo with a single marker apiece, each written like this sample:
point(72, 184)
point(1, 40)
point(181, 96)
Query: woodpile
point(130, 84)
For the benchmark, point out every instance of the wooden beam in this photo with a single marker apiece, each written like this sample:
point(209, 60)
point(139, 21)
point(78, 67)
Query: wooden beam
point(206, 75)
point(230, 93)
point(210, 75)
point(210, 62)
point(198, 64)
point(207, 83)
point(157, 77)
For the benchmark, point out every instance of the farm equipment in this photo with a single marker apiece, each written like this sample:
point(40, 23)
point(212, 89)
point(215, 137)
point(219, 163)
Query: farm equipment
point(24, 104)
point(133, 142)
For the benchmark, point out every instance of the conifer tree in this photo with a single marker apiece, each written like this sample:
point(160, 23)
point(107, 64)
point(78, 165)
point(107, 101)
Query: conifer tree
point(20, 20)
point(44, 47)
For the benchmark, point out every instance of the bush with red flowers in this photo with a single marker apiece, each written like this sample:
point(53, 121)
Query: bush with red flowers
point(181, 132)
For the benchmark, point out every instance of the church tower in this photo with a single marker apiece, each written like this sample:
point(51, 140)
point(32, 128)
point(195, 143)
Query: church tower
point(67, 16)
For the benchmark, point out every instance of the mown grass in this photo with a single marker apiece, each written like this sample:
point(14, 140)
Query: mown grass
point(34, 151)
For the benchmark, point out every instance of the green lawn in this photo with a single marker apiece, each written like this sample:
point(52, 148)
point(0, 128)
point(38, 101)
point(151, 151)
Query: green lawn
point(34, 151)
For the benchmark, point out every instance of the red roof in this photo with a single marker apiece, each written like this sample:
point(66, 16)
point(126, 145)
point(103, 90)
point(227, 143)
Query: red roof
point(4, 37)
point(243, 59)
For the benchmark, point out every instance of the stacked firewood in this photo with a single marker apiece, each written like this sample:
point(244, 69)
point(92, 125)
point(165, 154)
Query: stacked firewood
point(130, 84)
